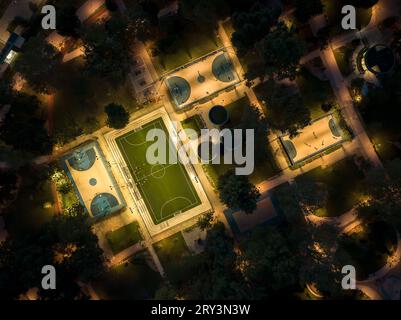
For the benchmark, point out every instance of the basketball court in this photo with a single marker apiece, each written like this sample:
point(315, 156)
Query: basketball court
point(321, 135)
point(200, 79)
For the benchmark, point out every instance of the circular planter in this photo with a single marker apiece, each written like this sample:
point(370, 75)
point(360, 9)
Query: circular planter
point(379, 59)
point(218, 115)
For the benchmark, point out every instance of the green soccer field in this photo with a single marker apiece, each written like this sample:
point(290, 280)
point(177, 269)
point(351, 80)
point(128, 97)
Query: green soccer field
point(166, 188)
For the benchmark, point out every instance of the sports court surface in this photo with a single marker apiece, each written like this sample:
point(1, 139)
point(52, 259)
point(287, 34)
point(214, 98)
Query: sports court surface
point(166, 189)
point(314, 139)
point(94, 184)
point(200, 79)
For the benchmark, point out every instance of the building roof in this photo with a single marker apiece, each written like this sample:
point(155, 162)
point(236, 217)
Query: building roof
point(13, 41)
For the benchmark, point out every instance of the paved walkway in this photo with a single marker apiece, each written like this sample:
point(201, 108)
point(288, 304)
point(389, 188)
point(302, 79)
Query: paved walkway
point(392, 262)
point(126, 253)
point(360, 144)
point(344, 98)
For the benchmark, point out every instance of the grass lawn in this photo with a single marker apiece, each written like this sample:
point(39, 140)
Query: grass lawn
point(235, 110)
point(343, 57)
point(263, 170)
point(333, 11)
point(176, 258)
point(314, 92)
point(384, 141)
point(166, 189)
point(250, 57)
point(133, 280)
point(33, 207)
point(124, 237)
point(344, 185)
point(195, 123)
point(369, 247)
point(171, 249)
point(81, 99)
point(193, 44)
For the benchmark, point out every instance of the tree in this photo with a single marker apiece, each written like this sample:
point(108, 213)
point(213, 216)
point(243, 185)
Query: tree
point(142, 23)
point(63, 184)
point(237, 192)
point(254, 119)
point(383, 185)
point(270, 263)
point(21, 262)
point(205, 221)
point(213, 274)
point(68, 131)
point(22, 127)
point(286, 111)
point(117, 116)
point(320, 266)
point(66, 242)
point(203, 13)
point(251, 26)
point(75, 246)
point(37, 63)
point(312, 194)
point(106, 49)
point(111, 5)
point(304, 10)
point(216, 275)
point(8, 186)
point(67, 288)
point(281, 51)
point(74, 210)
point(68, 23)
point(5, 91)
point(166, 292)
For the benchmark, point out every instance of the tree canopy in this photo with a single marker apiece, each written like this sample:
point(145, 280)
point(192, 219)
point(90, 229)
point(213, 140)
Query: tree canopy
point(68, 23)
point(106, 50)
point(111, 5)
point(203, 13)
point(67, 242)
point(253, 118)
point(270, 264)
point(306, 9)
point(286, 112)
point(383, 185)
point(117, 116)
point(215, 275)
point(237, 192)
point(281, 51)
point(312, 194)
point(251, 26)
point(37, 63)
point(142, 22)
point(205, 221)
point(23, 127)
point(8, 185)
